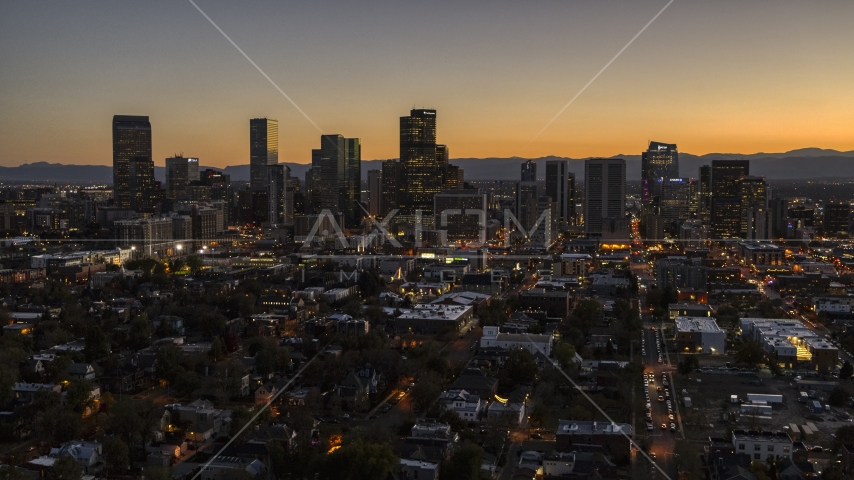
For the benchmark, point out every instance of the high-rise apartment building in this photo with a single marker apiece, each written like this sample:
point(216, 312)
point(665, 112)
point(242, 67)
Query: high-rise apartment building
point(423, 174)
point(726, 197)
point(560, 186)
point(604, 195)
point(527, 203)
point(375, 192)
point(263, 150)
point(131, 140)
point(529, 171)
point(658, 163)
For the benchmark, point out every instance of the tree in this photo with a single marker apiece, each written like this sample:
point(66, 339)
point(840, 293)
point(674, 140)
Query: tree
point(167, 364)
point(587, 312)
point(751, 353)
point(838, 397)
point(65, 468)
point(464, 464)
point(688, 364)
point(195, 264)
point(425, 392)
point(97, 345)
point(844, 436)
point(358, 460)
point(564, 353)
point(521, 367)
point(117, 455)
point(453, 419)
point(78, 396)
point(846, 371)
point(217, 349)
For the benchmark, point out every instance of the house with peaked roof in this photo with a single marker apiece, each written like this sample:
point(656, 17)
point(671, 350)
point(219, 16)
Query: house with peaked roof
point(353, 388)
point(466, 405)
point(476, 382)
point(81, 371)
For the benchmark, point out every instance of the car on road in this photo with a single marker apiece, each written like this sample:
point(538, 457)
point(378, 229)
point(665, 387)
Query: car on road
point(672, 427)
point(664, 426)
point(536, 436)
point(660, 389)
point(660, 398)
point(649, 427)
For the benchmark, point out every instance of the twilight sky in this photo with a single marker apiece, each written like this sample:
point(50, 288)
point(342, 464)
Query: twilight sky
point(721, 76)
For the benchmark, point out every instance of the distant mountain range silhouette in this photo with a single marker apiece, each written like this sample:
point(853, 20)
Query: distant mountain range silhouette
point(805, 163)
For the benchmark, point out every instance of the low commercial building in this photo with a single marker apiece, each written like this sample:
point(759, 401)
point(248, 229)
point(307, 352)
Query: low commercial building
point(615, 437)
point(433, 319)
point(555, 303)
point(689, 310)
point(756, 253)
point(789, 341)
point(762, 446)
point(699, 335)
point(534, 343)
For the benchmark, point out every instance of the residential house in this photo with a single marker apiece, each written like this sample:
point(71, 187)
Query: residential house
point(353, 388)
point(82, 371)
point(466, 405)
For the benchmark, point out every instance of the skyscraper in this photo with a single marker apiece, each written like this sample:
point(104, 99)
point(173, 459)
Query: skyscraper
point(375, 192)
point(143, 189)
point(180, 171)
point(131, 139)
point(529, 171)
point(726, 197)
point(658, 163)
point(676, 199)
point(279, 195)
point(350, 182)
point(461, 221)
point(454, 178)
point(423, 174)
point(837, 220)
point(527, 198)
point(560, 186)
point(754, 196)
point(704, 194)
point(263, 150)
point(605, 196)
point(392, 192)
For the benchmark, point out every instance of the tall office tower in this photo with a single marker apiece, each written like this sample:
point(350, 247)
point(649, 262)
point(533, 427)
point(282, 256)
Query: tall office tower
point(454, 178)
point(220, 190)
point(560, 184)
point(325, 163)
point(143, 189)
point(754, 195)
point(392, 193)
point(350, 182)
point(659, 162)
point(527, 203)
point(423, 174)
point(263, 150)
point(779, 210)
point(192, 169)
point(529, 171)
point(757, 223)
point(279, 195)
point(131, 139)
point(726, 197)
point(837, 219)
point(704, 194)
point(442, 155)
point(676, 197)
point(604, 195)
point(461, 214)
point(180, 172)
point(375, 192)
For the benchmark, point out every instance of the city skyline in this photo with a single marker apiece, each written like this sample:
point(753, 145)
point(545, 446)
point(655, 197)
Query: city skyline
point(790, 92)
